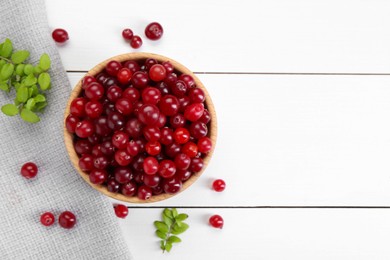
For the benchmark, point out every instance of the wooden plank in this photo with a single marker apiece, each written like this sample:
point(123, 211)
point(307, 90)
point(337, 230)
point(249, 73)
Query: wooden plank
point(235, 36)
point(297, 140)
point(267, 234)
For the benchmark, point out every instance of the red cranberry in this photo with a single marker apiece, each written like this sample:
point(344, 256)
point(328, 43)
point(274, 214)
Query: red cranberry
point(166, 136)
point(93, 109)
point(184, 102)
point(124, 75)
point(149, 62)
point(83, 146)
point(124, 106)
point(154, 31)
point(47, 219)
point(121, 211)
point(172, 185)
point(168, 66)
point(129, 189)
point(101, 126)
point(113, 67)
point(77, 107)
point(170, 79)
point(94, 139)
point(163, 87)
point(123, 175)
point(194, 111)
point(152, 181)
point(100, 162)
point(108, 108)
point(198, 129)
point(132, 65)
point(115, 121)
point(177, 121)
point(141, 142)
point(29, 170)
point(131, 94)
point(86, 162)
point(67, 219)
point(71, 123)
point(157, 72)
point(173, 149)
point(127, 34)
point(97, 150)
point(139, 177)
point(151, 133)
point(113, 186)
point(136, 42)
point(196, 95)
point(101, 77)
point(151, 95)
point(158, 189)
point(183, 175)
point(111, 81)
point(181, 135)
point(144, 192)
point(60, 35)
point(122, 157)
point(140, 79)
point(179, 89)
point(85, 129)
point(98, 176)
point(87, 80)
point(219, 185)
point(153, 148)
point(167, 168)
point(169, 105)
point(190, 149)
point(133, 148)
point(134, 128)
point(94, 91)
point(150, 165)
point(188, 80)
point(107, 148)
point(182, 161)
point(216, 221)
point(148, 114)
point(204, 144)
point(205, 118)
point(120, 140)
point(114, 93)
point(196, 164)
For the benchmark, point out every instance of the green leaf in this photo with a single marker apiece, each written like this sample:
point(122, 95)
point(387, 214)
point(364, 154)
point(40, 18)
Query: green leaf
point(168, 247)
point(181, 217)
point(178, 230)
point(19, 56)
point(162, 245)
point(37, 70)
point(20, 69)
point(39, 107)
point(39, 98)
point(174, 239)
point(30, 80)
point(29, 116)
point(161, 235)
point(6, 49)
point(28, 69)
point(2, 63)
point(4, 86)
point(167, 220)
point(174, 212)
point(161, 226)
point(44, 62)
point(30, 105)
point(167, 212)
point(6, 71)
point(22, 94)
point(44, 81)
point(10, 110)
point(16, 102)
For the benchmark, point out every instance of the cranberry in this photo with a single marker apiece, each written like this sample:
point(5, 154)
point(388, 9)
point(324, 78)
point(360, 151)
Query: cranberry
point(136, 42)
point(97, 150)
point(121, 211)
point(190, 149)
point(144, 192)
point(166, 136)
point(169, 105)
point(141, 142)
point(93, 109)
point(167, 168)
point(127, 34)
point(170, 79)
point(152, 181)
point(115, 121)
point(151, 95)
point(152, 133)
point(82, 146)
point(113, 186)
point(86, 162)
point(67, 219)
point(124, 106)
point(179, 89)
point(113, 67)
point(134, 128)
point(123, 175)
point(114, 93)
point(98, 176)
point(60, 35)
point(196, 95)
point(168, 66)
point(163, 87)
point(77, 107)
point(140, 79)
point(133, 148)
point(205, 118)
point(173, 149)
point(122, 157)
point(157, 72)
point(188, 80)
point(162, 120)
point(137, 106)
point(129, 189)
point(124, 75)
point(71, 123)
point(216, 221)
point(87, 80)
point(184, 102)
point(29, 170)
point(204, 144)
point(47, 219)
point(101, 126)
point(158, 189)
point(198, 129)
point(132, 65)
point(150, 165)
point(182, 161)
point(111, 81)
point(196, 164)
point(107, 148)
point(149, 63)
point(194, 111)
point(85, 129)
point(181, 135)
point(108, 108)
point(154, 31)
point(101, 77)
point(177, 121)
point(120, 140)
point(153, 148)
point(172, 185)
point(219, 185)
point(94, 139)
point(148, 114)
point(94, 91)
point(139, 177)
point(183, 175)
point(131, 94)
point(100, 162)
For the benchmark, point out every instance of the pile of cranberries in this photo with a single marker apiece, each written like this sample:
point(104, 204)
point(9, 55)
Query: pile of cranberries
point(140, 128)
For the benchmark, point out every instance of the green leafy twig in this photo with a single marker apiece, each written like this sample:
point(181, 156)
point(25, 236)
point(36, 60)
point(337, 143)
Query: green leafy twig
point(30, 82)
point(171, 226)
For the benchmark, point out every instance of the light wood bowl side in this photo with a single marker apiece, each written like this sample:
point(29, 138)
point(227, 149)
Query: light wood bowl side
point(137, 57)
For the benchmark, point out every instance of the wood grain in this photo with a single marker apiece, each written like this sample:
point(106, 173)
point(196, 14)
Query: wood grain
point(140, 57)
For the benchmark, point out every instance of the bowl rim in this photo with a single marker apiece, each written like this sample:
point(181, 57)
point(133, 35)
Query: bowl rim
point(137, 56)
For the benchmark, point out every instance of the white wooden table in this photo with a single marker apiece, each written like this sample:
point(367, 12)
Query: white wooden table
point(302, 93)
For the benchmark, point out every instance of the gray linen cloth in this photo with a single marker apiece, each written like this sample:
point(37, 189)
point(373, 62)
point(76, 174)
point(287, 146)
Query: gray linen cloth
point(57, 187)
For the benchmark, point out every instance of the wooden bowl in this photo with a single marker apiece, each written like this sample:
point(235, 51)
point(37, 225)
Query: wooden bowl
point(139, 57)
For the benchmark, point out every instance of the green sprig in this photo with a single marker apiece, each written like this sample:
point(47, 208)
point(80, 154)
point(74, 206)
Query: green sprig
point(30, 82)
point(170, 227)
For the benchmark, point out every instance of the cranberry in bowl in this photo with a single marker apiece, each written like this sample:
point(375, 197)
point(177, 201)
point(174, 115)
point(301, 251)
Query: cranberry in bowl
point(140, 127)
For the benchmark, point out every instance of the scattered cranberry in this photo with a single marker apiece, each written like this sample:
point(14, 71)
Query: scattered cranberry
point(154, 31)
point(216, 221)
point(219, 185)
point(47, 219)
point(127, 34)
point(136, 42)
point(67, 219)
point(29, 170)
point(60, 35)
point(121, 211)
